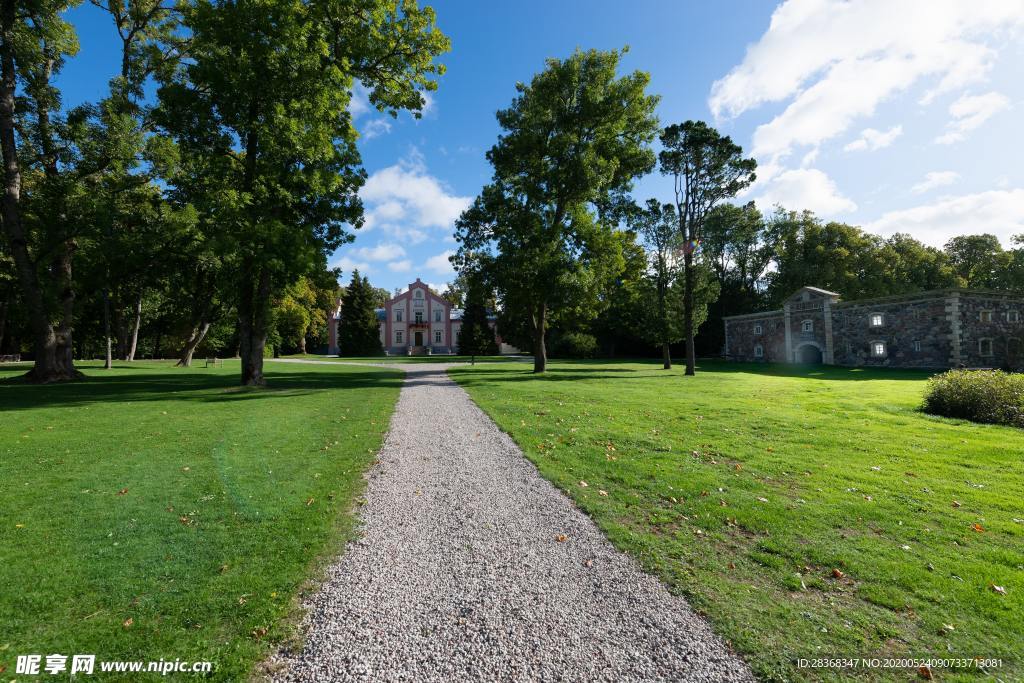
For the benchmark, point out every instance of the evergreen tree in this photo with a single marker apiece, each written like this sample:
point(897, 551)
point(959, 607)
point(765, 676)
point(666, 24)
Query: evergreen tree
point(358, 333)
point(476, 337)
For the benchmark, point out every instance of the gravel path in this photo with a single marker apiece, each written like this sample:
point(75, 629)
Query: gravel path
point(459, 576)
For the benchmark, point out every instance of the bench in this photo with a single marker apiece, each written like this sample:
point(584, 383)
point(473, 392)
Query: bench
point(10, 358)
point(215, 362)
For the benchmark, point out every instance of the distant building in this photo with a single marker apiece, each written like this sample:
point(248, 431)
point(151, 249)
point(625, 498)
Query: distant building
point(415, 322)
point(930, 330)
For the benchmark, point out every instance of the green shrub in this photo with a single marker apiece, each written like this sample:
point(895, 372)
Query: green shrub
point(574, 345)
point(991, 396)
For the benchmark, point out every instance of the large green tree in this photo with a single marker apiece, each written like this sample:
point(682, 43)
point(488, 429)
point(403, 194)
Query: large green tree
point(572, 142)
point(706, 168)
point(262, 104)
point(659, 226)
point(34, 41)
point(358, 329)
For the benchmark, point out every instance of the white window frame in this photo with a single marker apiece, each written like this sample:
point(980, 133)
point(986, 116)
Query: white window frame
point(917, 345)
point(437, 336)
point(758, 329)
point(398, 315)
point(874, 349)
point(398, 336)
point(879, 316)
point(437, 316)
point(419, 317)
point(985, 316)
point(981, 347)
point(758, 351)
point(807, 326)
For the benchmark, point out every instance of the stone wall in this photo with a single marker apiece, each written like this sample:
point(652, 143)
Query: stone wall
point(915, 333)
point(742, 337)
point(1002, 327)
point(929, 330)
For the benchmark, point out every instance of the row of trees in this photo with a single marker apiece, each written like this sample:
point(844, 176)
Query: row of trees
point(544, 233)
point(565, 248)
point(209, 209)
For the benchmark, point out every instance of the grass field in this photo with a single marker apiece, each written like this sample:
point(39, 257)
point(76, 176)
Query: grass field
point(155, 513)
point(406, 359)
point(808, 513)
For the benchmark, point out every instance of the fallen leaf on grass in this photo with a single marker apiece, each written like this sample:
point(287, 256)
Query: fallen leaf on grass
point(561, 538)
point(309, 502)
point(836, 574)
point(128, 622)
point(602, 493)
point(732, 565)
point(977, 527)
point(122, 491)
point(925, 672)
point(956, 503)
point(763, 500)
point(946, 628)
point(584, 484)
point(259, 632)
point(998, 589)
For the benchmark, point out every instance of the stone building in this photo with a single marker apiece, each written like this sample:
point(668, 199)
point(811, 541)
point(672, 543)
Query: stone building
point(415, 322)
point(930, 330)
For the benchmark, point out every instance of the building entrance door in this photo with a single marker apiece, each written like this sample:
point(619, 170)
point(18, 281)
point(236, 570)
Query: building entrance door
point(419, 339)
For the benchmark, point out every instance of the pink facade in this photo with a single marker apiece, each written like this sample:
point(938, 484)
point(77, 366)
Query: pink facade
point(417, 321)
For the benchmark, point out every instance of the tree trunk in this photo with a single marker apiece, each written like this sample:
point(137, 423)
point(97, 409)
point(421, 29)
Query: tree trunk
point(302, 344)
point(4, 307)
point(133, 339)
point(253, 312)
point(540, 352)
point(691, 357)
point(666, 357)
point(108, 355)
point(193, 341)
point(46, 367)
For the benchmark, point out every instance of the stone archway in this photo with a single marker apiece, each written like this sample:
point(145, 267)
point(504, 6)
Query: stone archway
point(809, 354)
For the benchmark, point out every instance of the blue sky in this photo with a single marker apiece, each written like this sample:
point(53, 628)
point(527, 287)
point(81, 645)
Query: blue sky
point(895, 116)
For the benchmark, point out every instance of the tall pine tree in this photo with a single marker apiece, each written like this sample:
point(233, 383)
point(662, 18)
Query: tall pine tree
point(358, 333)
point(476, 337)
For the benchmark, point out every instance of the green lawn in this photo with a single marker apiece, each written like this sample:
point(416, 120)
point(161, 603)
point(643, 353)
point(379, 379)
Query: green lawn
point(151, 512)
point(808, 513)
point(407, 359)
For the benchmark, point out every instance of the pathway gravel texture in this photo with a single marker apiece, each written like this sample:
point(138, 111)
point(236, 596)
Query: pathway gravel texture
point(459, 574)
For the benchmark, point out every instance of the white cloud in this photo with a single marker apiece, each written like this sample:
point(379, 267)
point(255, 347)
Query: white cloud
point(804, 188)
point(405, 201)
point(349, 264)
point(375, 127)
point(403, 266)
point(360, 102)
point(384, 251)
point(837, 60)
point(934, 179)
point(871, 139)
point(440, 263)
point(969, 112)
point(999, 212)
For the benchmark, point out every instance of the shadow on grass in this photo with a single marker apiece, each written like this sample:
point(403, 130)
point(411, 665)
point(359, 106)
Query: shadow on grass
point(15, 394)
point(573, 370)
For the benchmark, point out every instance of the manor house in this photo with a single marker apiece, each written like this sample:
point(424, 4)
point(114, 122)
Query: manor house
point(933, 330)
point(415, 322)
